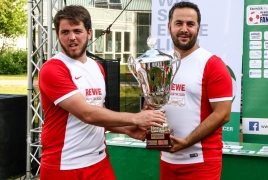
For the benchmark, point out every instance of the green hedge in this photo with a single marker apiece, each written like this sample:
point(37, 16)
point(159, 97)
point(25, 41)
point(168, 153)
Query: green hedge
point(13, 62)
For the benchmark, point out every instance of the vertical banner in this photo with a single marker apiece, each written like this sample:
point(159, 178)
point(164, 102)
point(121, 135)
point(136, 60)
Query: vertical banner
point(221, 32)
point(255, 72)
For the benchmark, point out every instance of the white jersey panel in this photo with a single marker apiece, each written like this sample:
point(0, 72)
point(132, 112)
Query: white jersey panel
point(183, 109)
point(84, 143)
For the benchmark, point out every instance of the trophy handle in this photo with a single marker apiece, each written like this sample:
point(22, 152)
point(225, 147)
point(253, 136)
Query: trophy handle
point(177, 62)
point(131, 65)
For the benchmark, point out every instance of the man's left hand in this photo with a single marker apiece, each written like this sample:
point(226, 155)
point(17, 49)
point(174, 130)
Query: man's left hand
point(136, 132)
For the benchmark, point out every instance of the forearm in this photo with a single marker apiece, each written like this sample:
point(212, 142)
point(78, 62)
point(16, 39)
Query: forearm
point(219, 116)
point(121, 130)
point(99, 116)
point(106, 118)
point(206, 128)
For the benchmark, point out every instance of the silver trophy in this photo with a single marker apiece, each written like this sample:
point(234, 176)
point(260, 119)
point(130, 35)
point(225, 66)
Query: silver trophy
point(155, 71)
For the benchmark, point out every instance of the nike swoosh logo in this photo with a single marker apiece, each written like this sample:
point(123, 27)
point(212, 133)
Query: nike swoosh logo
point(76, 78)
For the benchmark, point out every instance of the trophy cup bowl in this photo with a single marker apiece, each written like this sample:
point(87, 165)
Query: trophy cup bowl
point(154, 71)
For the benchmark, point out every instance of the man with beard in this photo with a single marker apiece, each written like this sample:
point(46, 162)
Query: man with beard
point(72, 88)
point(196, 112)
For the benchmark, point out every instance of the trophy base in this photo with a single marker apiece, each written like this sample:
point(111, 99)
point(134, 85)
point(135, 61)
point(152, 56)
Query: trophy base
point(158, 141)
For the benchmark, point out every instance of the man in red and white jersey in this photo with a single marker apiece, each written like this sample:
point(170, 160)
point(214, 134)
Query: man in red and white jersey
point(72, 88)
point(200, 103)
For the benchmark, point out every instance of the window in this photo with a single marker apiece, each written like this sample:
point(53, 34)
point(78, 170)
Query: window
point(109, 42)
point(101, 3)
point(115, 45)
point(111, 4)
point(115, 1)
point(143, 19)
point(90, 45)
point(125, 58)
point(126, 41)
point(118, 42)
point(143, 32)
point(108, 56)
point(99, 42)
point(118, 56)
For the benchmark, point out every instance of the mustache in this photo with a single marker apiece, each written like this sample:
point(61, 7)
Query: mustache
point(184, 34)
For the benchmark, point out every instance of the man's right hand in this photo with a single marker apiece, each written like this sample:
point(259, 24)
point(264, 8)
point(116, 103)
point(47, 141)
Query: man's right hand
point(149, 118)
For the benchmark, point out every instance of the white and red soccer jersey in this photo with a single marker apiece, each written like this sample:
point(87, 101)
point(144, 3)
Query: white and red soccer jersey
point(202, 78)
point(67, 142)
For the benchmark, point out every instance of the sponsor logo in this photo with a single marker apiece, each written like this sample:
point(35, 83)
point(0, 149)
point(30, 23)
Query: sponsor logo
point(76, 78)
point(265, 63)
point(193, 155)
point(256, 126)
point(265, 54)
point(255, 8)
point(253, 126)
point(257, 15)
point(253, 17)
point(174, 101)
point(255, 54)
point(255, 45)
point(266, 35)
point(255, 64)
point(255, 73)
point(265, 44)
point(265, 73)
point(100, 152)
point(256, 35)
point(243, 151)
point(177, 87)
point(93, 91)
point(224, 128)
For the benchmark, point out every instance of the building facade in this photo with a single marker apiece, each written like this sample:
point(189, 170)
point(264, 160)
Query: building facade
point(130, 26)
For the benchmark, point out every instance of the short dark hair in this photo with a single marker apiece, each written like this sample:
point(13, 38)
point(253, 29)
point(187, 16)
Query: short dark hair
point(184, 4)
point(74, 14)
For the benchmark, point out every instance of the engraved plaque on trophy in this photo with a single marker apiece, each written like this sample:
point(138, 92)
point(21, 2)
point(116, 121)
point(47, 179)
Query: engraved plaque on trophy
point(154, 71)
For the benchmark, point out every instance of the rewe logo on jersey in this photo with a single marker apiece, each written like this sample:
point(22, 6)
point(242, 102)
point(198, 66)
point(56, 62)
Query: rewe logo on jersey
point(93, 91)
point(177, 87)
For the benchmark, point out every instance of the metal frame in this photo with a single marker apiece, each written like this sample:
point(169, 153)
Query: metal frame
point(40, 48)
point(39, 38)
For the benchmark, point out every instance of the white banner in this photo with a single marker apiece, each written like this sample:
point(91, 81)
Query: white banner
point(221, 33)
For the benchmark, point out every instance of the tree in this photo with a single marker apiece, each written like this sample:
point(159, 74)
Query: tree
point(13, 20)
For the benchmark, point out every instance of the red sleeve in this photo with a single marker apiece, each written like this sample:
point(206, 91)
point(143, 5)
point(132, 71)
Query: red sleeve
point(219, 80)
point(102, 70)
point(55, 80)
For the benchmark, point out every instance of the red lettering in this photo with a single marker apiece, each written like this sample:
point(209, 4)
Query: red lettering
point(172, 87)
point(93, 91)
point(180, 87)
point(177, 87)
point(87, 92)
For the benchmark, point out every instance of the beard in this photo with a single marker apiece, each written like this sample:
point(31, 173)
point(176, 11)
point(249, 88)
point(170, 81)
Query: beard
point(183, 46)
point(75, 55)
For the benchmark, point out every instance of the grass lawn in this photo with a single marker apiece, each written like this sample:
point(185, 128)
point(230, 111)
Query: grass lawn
point(130, 99)
point(125, 75)
point(13, 90)
point(13, 77)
